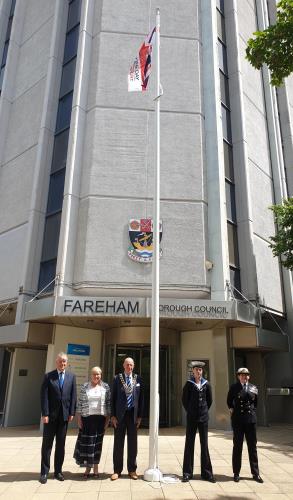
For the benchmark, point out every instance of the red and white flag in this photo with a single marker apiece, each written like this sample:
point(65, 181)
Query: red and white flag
point(140, 70)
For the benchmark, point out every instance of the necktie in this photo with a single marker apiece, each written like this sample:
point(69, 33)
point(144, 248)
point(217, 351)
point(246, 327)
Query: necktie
point(245, 387)
point(129, 396)
point(61, 379)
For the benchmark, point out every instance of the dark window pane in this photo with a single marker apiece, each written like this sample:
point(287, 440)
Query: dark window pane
point(67, 80)
point(224, 87)
point(1, 76)
point(56, 190)
point(12, 9)
point(220, 5)
point(222, 53)
point(47, 274)
point(230, 202)
point(228, 161)
point(64, 112)
point(235, 282)
point(226, 124)
point(73, 14)
point(71, 43)
point(51, 237)
point(221, 27)
point(8, 31)
point(5, 50)
point(60, 151)
point(233, 245)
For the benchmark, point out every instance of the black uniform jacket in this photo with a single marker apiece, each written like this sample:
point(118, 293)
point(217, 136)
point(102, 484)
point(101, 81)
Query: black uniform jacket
point(197, 401)
point(53, 398)
point(119, 401)
point(243, 403)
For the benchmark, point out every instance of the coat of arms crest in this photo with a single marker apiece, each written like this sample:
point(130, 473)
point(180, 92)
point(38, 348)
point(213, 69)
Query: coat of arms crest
point(141, 238)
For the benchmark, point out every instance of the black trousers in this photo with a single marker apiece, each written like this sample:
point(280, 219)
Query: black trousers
point(249, 431)
point(54, 429)
point(126, 424)
point(205, 461)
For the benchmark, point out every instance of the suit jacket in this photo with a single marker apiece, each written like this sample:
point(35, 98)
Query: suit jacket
point(243, 403)
point(118, 398)
point(197, 401)
point(53, 398)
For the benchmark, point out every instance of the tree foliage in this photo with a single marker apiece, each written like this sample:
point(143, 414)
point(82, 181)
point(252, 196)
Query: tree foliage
point(282, 243)
point(274, 45)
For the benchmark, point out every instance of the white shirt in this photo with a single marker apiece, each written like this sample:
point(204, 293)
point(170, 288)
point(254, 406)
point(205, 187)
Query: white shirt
point(96, 399)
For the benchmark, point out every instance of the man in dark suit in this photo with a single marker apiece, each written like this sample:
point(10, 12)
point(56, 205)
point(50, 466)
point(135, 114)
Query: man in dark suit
point(58, 403)
point(242, 403)
point(197, 399)
point(126, 411)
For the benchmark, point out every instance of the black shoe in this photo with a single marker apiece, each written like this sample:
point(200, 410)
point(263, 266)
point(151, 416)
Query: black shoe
point(257, 478)
point(211, 479)
point(186, 478)
point(43, 479)
point(59, 476)
point(236, 478)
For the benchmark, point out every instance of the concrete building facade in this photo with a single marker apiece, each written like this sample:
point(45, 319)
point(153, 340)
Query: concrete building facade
point(77, 156)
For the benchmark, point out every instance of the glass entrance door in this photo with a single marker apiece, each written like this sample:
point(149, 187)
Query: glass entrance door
point(142, 358)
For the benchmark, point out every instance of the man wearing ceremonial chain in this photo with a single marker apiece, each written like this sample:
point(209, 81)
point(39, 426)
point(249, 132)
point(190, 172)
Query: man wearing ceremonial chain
point(126, 413)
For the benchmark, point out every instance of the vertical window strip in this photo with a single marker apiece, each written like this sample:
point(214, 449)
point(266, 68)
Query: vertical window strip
point(60, 147)
point(6, 44)
point(228, 151)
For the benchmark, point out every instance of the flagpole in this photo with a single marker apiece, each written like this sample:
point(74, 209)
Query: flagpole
point(153, 473)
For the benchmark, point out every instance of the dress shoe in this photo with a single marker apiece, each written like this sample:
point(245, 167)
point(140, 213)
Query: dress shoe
point(115, 476)
point(133, 475)
point(186, 478)
point(236, 478)
point(59, 476)
point(211, 479)
point(257, 478)
point(43, 479)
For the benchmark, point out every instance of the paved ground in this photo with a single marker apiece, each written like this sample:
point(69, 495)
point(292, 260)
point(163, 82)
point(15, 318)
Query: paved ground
point(20, 461)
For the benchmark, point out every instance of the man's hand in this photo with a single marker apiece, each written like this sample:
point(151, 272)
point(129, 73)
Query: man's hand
point(45, 420)
point(70, 418)
point(114, 421)
point(106, 423)
point(138, 422)
point(231, 410)
point(79, 422)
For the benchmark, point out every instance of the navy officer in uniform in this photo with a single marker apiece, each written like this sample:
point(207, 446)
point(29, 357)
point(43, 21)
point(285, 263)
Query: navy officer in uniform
point(242, 403)
point(197, 399)
point(126, 410)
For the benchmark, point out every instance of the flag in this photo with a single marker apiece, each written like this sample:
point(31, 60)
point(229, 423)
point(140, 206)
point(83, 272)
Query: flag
point(140, 70)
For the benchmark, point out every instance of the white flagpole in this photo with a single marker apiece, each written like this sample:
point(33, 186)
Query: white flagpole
point(153, 473)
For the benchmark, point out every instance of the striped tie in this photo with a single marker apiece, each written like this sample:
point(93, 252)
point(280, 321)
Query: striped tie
point(129, 396)
point(61, 379)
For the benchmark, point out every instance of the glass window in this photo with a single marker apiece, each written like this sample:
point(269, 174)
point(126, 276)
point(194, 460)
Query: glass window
point(67, 80)
point(71, 43)
point(12, 9)
point(1, 76)
point(233, 245)
point(222, 54)
point(226, 124)
point(55, 198)
point(51, 237)
point(64, 112)
point(8, 29)
point(73, 14)
point(47, 274)
point(5, 51)
point(221, 26)
point(235, 281)
point(230, 202)
point(228, 161)
point(224, 87)
point(60, 151)
point(220, 5)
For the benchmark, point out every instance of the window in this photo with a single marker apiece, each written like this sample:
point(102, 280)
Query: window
point(221, 26)
point(228, 160)
point(56, 189)
point(71, 43)
point(223, 62)
point(64, 112)
point(233, 245)
point(235, 281)
point(73, 14)
point(51, 236)
point(230, 202)
point(226, 124)
point(47, 274)
point(67, 80)
point(224, 88)
point(60, 150)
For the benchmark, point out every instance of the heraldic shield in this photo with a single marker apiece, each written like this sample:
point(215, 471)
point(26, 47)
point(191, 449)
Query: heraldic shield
point(141, 238)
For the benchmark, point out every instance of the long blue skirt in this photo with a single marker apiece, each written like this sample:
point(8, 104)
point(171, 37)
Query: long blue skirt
point(88, 447)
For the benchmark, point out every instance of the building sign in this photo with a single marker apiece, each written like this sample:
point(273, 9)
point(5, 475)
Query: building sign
point(141, 239)
point(196, 309)
point(93, 306)
point(78, 363)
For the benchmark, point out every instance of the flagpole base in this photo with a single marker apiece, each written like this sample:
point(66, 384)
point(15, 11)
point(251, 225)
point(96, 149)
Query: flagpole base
point(153, 475)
